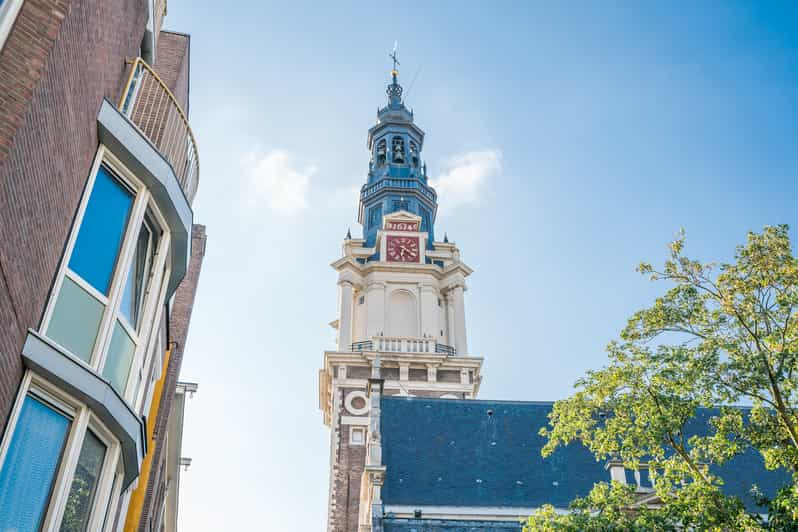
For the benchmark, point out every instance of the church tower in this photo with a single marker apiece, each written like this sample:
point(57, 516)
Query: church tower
point(401, 327)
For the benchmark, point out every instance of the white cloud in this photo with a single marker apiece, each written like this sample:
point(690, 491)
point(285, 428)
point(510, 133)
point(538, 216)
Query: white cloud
point(277, 181)
point(464, 176)
point(345, 197)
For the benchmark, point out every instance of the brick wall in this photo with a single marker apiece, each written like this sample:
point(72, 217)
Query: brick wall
point(60, 60)
point(179, 320)
point(348, 464)
point(172, 64)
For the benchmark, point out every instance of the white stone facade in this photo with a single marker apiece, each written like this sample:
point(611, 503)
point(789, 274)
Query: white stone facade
point(404, 306)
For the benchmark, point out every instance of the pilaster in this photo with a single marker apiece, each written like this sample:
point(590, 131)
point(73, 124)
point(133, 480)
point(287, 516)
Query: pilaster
point(370, 509)
point(345, 310)
point(458, 300)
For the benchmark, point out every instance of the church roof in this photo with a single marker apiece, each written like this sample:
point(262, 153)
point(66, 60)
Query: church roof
point(448, 452)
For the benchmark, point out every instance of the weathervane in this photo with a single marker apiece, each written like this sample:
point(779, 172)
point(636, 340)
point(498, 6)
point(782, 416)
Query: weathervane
point(394, 90)
point(392, 55)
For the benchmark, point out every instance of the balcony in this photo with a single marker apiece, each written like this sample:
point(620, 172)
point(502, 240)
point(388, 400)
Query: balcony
point(149, 104)
point(387, 344)
point(398, 185)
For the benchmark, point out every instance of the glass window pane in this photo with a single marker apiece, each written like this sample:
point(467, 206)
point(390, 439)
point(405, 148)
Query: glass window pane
point(120, 356)
point(84, 485)
point(76, 319)
point(26, 477)
point(137, 277)
point(101, 231)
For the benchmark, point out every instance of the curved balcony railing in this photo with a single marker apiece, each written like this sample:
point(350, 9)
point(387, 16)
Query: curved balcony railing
point(152, 107)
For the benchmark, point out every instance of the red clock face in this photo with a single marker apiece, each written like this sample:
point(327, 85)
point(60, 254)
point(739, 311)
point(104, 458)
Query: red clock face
point(402, 248)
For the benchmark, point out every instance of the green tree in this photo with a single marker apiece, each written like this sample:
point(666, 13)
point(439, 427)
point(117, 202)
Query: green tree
point(720, 335)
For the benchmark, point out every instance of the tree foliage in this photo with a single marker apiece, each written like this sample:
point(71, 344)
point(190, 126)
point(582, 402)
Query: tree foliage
point(720, 335)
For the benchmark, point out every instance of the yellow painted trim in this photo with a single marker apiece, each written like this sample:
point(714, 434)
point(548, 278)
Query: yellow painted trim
point(136, 505)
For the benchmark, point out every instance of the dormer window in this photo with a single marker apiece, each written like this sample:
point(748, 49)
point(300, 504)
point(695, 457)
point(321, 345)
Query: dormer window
point(414, 153)
point(381, 151)
point(398, 148)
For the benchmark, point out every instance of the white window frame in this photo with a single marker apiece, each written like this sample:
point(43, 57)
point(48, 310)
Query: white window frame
point(360, 430)
point(155, 288)
point(116, 498)
point(8, 15)
point(152, 368)
point(81, 420)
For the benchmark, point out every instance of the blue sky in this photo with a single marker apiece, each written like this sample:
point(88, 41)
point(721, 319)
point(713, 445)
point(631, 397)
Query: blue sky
point(570, 140)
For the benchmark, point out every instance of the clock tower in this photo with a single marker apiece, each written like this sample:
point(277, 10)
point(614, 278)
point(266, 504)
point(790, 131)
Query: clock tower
point(401, 327)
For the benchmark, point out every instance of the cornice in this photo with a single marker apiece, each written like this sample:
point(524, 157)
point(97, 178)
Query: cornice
point(350, 262)
point(352, 278)
point(441, 361)
point(327, 378)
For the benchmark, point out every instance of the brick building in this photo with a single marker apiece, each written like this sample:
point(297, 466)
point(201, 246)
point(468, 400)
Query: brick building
point(99, 263)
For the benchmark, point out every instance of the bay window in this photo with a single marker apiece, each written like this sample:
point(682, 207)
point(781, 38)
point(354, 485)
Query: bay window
point(111, 279)
point(58, 468)
point(61, 468)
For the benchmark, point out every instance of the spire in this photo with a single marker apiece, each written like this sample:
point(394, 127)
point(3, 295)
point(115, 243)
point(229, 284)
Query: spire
point(397, 177)
point(445, 238)
point(394, 90)
point(348, 234)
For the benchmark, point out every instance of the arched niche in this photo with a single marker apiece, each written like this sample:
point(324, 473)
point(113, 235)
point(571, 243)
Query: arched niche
point(402, 314)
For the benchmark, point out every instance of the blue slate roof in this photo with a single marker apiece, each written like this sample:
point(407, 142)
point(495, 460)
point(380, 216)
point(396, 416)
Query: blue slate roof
point(449, 452)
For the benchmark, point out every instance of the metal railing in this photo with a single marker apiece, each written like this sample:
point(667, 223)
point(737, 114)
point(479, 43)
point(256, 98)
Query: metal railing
point(151, 106)
point(445, 349)
point(399, 183)
point(365, 345)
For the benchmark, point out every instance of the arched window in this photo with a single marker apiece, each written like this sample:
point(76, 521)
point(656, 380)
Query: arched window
point(398, 148)
point(381, 150)
point(414, 153)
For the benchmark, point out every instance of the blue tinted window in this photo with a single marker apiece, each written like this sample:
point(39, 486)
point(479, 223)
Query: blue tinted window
point(374, 215)
point(136, 283)
point(101, 232)
point(401, 205)
point(425, 220)
point(30, 465)
point(84, 485)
